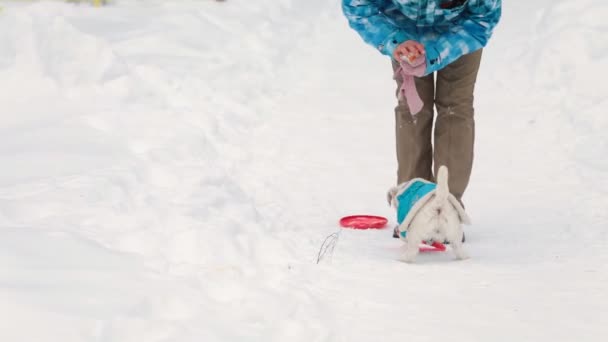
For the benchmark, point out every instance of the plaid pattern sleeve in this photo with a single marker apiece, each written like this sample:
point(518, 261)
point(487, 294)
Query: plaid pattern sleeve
point(366, 17)
point(469, 34)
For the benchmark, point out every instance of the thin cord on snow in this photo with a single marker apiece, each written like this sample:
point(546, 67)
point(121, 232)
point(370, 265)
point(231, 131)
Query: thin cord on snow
point(328, 246)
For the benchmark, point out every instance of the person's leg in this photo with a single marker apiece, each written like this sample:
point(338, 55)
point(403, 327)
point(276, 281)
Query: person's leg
point(455, 126)
point(414, 134)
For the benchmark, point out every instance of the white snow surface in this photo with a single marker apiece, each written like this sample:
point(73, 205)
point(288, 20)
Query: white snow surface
point(169, 170)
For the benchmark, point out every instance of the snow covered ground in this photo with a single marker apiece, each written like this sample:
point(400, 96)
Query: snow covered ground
point(169, 170)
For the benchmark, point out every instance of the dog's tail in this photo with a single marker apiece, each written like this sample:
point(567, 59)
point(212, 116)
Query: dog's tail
point(443, 191)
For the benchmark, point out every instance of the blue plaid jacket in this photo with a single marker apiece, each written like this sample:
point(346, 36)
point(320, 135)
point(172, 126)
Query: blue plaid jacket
point(448, 29)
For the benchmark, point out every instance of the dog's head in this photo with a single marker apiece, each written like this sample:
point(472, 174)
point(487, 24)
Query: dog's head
point(391, 196)
point(393, 193)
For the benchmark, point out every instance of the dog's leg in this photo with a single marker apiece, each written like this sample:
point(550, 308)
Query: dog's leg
point(412, 247)
point(457, 246)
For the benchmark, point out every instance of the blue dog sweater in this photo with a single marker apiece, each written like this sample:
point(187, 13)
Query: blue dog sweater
point(414, 192)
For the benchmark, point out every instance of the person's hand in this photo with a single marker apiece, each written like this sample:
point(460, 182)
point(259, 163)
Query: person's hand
point(408, 51)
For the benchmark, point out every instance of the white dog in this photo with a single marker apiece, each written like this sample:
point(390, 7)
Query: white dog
point(428, 212)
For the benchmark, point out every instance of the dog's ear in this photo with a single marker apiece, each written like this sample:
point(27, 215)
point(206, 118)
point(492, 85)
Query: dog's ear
point(390, 195)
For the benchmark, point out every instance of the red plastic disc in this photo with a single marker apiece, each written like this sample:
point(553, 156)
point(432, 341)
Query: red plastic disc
point(435, 247)
point(363, 222)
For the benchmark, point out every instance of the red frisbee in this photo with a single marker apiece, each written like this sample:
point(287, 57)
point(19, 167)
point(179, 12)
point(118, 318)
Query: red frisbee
point(435, 247)
point(363, 222)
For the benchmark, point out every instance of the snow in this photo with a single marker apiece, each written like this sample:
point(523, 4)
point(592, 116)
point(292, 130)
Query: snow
point(170, 169)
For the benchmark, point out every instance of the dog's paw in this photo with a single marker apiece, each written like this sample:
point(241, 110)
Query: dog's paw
point(407, 261)
point(408, 258)
point(462, 255)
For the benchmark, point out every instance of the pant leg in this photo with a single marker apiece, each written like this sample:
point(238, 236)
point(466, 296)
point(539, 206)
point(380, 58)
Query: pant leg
point(414, 135)
point(455, 126)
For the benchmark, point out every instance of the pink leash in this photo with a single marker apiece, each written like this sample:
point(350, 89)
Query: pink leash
point(408, 90)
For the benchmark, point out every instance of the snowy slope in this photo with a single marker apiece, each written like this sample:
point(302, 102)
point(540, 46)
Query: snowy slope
point(169, 170)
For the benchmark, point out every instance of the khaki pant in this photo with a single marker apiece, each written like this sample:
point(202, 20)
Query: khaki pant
point(454, 134)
